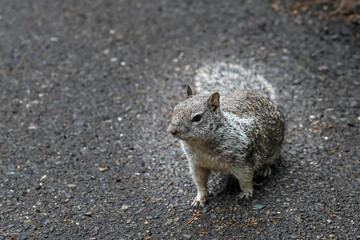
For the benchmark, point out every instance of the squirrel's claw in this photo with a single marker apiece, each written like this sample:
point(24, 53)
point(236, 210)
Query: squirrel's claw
point(245, 195)
point(198, 203)
point(265, 172)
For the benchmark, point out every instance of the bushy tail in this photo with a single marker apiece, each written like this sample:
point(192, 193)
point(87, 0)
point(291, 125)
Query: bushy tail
point(226, 78)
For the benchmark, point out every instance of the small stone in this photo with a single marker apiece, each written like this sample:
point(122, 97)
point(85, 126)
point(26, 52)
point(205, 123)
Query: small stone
point(125, 207)
point(323, 68)
point(68, 195)
point(186, 236)
point(71, 185)
point(258, 206)
point(89, 214)
point(26, 226)
point(32, 126)
point(103, 169)
point(43, 177)
point(297, 81)
point(319, 207)
point(10, 226)
point(119, 36)
point(169, 222)
point(103, 150)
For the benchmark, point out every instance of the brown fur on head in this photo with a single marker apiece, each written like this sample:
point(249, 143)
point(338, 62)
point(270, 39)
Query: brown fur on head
point(196, 117)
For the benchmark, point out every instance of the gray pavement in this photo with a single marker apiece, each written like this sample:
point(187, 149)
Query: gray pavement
point(86, 93)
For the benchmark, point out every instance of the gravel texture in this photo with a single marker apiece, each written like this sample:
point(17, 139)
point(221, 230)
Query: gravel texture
point(86, 93)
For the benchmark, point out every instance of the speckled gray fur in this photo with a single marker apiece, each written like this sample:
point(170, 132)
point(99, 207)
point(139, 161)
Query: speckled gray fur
point(241, 136)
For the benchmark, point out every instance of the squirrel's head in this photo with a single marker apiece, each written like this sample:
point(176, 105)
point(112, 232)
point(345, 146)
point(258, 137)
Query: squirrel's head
point(196, 117)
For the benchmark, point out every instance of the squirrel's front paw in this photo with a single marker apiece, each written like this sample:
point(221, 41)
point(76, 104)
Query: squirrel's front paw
point(199, 202)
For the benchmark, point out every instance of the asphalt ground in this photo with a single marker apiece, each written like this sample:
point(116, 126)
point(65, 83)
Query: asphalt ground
point(86, 93)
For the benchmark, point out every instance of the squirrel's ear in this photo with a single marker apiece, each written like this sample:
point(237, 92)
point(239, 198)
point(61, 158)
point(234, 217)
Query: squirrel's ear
point(189, 91)
point(214, 101)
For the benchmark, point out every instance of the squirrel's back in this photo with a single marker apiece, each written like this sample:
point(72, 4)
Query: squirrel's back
point(244, 103)
point(227, 78)
point(268, 125)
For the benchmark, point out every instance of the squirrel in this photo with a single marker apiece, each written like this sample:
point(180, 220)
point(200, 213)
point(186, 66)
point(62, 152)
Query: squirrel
point(240, 135)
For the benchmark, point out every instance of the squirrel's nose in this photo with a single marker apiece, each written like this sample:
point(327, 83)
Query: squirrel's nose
point(172, 130)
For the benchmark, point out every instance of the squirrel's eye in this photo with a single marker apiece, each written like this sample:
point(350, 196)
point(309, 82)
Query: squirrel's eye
point(196, 118)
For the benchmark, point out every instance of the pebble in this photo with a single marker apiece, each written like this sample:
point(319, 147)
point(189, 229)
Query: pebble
point(323, 68)
point(319, 207)
point(89, 214)
point(71, 185)
point(26, 226)
point(11, 193)
point(169, 222)
point(258, 206)
point(68, 195)
point(125, 207)
point(186, 236)
point(32, 126)
point(140, 210)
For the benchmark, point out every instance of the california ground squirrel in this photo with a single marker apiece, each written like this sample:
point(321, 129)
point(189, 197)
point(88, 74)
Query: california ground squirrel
point(242, 136)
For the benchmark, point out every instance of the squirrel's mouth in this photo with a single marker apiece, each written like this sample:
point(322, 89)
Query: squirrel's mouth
point(177, 135)
point(173, 130)
point(177, 132)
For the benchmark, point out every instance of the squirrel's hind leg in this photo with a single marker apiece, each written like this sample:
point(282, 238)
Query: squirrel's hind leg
point(245, 178)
